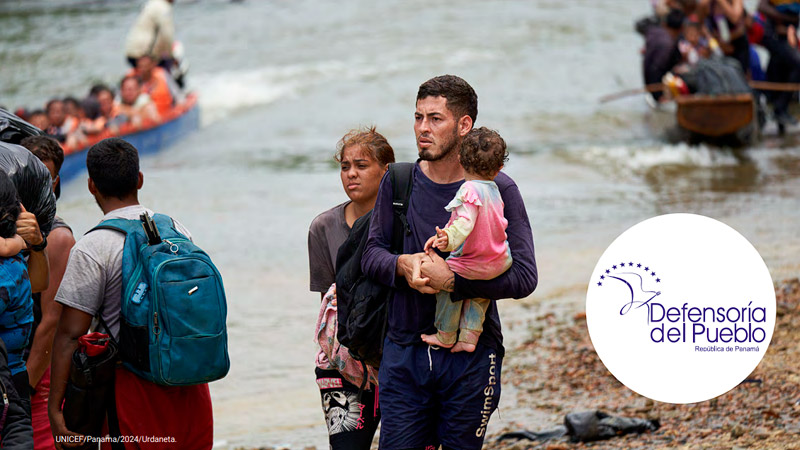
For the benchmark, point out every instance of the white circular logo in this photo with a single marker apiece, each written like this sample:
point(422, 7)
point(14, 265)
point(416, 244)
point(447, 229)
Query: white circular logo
point(681, 308)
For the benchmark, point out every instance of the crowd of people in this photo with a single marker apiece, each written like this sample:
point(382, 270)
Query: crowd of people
point(683, 33)
point(464, 242)
point(144, 95)
point(51, 290)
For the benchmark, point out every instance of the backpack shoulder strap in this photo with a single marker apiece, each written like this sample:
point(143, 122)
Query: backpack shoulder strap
point(123, 226)
point(402, 176)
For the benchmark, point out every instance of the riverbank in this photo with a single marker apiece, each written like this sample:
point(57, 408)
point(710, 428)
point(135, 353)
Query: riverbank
point(557, 372)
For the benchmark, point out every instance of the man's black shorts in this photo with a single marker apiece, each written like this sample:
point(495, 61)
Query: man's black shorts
point(432, 397)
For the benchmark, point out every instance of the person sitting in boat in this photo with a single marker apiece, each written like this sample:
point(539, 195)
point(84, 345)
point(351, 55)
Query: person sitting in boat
point(105, 99)
point(780, 21)
point(661, 52)
point(38, 118)
point(661, 8)
point(693, 45)
point(726, 22)
point(60, 124)
point(92, 119)
point(91, 122)
point(157, 83)
point(135, 106)
point(72, 106)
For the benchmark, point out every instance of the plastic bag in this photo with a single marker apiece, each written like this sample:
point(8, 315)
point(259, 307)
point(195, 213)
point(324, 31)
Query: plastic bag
point(717, 76)
point(13, 129)
point(590, 426)
point(33, 182)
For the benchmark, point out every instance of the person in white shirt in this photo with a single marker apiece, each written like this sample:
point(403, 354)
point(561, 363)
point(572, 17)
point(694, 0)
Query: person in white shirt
point(152, 33)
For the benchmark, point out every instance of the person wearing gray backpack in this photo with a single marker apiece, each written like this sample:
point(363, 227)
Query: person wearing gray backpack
point(174, 413)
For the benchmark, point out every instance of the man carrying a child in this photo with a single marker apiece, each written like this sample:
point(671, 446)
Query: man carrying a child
point(432, 395)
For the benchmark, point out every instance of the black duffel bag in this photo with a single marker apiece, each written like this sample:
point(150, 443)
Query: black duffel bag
point(89, 394)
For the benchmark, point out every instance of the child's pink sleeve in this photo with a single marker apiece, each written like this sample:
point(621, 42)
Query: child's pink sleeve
point(462, 220)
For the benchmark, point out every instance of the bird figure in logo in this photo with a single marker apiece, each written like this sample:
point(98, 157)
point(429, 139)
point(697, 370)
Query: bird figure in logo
point(639, 296)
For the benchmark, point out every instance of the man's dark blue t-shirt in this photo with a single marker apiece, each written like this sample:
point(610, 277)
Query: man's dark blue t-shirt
point(411, 313)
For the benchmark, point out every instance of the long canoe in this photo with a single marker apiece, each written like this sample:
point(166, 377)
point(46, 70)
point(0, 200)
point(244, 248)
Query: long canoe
point(151, 137)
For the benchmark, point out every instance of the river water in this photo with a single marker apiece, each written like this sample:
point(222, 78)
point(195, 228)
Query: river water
point(281, 81)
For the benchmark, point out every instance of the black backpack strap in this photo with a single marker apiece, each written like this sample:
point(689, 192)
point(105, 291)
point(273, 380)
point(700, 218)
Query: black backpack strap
point(102, 322)
point(402, 177)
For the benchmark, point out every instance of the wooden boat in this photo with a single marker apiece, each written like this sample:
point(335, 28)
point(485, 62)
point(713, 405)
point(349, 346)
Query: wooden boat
point(719, 120)
point(715, 116)
point(150, 137)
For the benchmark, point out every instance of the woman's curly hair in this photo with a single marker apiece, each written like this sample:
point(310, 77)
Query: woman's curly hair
point(483, 152)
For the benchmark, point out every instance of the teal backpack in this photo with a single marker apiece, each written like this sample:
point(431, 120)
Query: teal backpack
point(172, 325)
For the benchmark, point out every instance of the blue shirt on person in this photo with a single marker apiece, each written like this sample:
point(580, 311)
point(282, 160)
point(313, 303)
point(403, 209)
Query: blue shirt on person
point(16, 309)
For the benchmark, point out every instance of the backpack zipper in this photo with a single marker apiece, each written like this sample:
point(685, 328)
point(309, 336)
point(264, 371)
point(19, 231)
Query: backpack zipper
point(138, 271)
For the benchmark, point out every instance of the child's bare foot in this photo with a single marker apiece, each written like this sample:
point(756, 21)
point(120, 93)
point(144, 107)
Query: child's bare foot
point(432, 339)
point(463, 347)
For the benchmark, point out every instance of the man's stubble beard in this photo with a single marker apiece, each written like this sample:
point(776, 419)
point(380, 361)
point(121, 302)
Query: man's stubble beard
point(451, 145)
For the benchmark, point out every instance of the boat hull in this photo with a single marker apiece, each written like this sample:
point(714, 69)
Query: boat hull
point(715, 116)
point(150, 139)
point(722, 120)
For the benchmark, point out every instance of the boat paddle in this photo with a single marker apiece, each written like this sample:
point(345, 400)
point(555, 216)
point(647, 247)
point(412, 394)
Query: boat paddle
point(656, 87)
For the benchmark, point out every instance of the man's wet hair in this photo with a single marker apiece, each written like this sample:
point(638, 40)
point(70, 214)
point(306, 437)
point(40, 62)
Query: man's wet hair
point(461, 98)
point(113, 166)
point(370, 140)
point(483, 152)
point(46, 149)
point(9, 206)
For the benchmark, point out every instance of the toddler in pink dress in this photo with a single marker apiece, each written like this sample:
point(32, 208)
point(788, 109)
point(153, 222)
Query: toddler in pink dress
point(475, 236)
